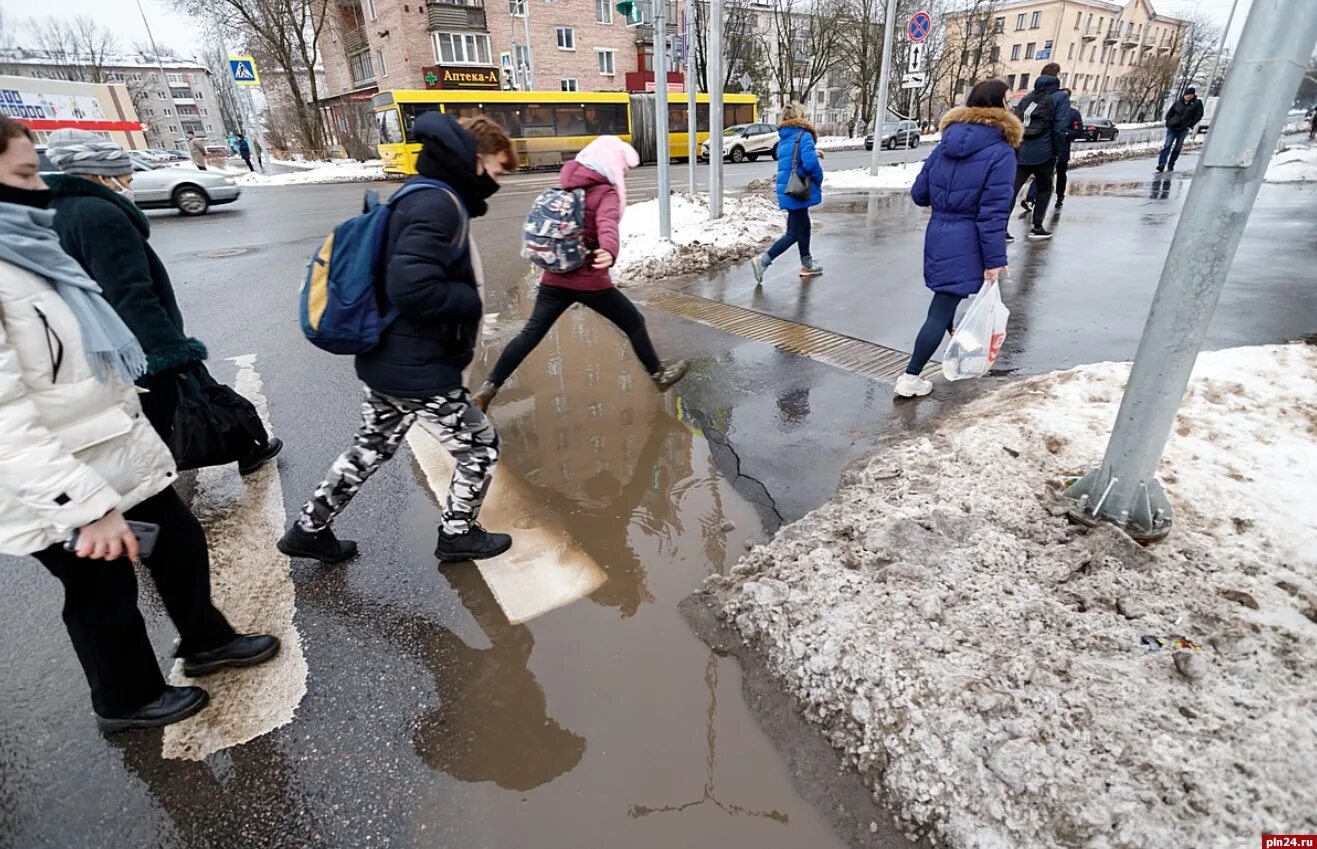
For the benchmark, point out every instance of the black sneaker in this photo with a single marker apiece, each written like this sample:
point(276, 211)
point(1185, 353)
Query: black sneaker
point(1009, 239)
point(1160, 168)
point(242, 650)
point(1170, 167)
point(1038, 234)
point(1060, 202)
point(322, 546)
point(261, 456)
point(475, 544)
point(174, 705)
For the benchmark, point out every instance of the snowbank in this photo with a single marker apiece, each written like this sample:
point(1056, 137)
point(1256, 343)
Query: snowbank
point(697, 244)
point(345, 171)
point(840, 143)
point(980, 659)
point(898, 176)
point(1296, 165)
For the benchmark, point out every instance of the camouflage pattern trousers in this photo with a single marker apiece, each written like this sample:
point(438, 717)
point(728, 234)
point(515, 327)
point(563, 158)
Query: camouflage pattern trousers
point(451, 418)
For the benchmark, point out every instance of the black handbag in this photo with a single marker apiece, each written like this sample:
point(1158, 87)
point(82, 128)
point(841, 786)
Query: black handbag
point(212, 425)
point(798, 186)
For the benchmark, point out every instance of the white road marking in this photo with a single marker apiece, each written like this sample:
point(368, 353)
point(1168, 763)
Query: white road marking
point(252, 584)
point(546, 568)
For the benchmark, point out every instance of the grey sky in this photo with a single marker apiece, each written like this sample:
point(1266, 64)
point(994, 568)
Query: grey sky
point(176, 30)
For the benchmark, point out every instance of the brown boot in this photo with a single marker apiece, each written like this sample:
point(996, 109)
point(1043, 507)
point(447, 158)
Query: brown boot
point(484, 395)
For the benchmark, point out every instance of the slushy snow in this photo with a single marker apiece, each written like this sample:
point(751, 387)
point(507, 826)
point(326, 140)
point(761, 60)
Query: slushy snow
point(1296, 165)
point(343, 171)
point(979, 658)
point(748, 223)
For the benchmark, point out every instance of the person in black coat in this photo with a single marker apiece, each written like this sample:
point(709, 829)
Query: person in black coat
point(432, 277)
point(100, 226)
point(1074, 129)
point(1182, 117)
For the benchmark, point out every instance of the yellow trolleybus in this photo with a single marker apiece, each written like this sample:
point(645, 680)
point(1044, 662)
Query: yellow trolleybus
point(549, 127)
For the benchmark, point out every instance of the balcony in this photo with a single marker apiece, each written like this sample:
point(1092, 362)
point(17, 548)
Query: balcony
point(1090, 32)
point(354, 40)
point(1129, 39)
point(452, 16)
point(1111, 37)
point(184, 101)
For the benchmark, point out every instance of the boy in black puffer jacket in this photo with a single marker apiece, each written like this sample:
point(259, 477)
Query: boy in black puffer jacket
point(432, 277)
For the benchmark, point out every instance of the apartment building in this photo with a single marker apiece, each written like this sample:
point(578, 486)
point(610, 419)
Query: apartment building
point(170, 96)
point(1097, 44)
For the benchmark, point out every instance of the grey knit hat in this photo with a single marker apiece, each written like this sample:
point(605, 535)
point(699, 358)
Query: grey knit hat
point(82, 152)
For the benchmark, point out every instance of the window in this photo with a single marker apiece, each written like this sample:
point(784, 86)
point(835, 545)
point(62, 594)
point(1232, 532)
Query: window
point(162, 95)
point(567, 41)
point(362, 70)
point(150, 113)
point(996, 53)
point(1036, 21)
point(371, 11)
point(380, 64)
point(389, 126)
point(517, 8)
point(607, 62)
point(1092, 53)
point(137, 78)
point(1105, 51)
point(521, 56)
point(998, 24)
point(1024, 81)
point(1010, 82)
point(1015, 52)
point(201, 95)
point(174, 78)
point(461, 48)
point(1019, 21)
point(603, 11)
point(1028, 50)
point(1071, 54)
point(204, 112)
point(1079, 16)
point(570, 84)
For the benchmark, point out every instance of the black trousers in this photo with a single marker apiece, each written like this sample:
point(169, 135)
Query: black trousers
point(1042, 174)
point(100, 606)
point(552, 302)
point(1062, 167)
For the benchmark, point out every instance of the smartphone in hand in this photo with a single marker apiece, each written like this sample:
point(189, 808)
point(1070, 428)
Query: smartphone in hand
point(146, 533)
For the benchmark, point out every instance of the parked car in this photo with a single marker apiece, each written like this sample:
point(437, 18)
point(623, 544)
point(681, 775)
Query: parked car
point(1097, 129)
point(190, 192)
point(746, 141)
point(896, 134)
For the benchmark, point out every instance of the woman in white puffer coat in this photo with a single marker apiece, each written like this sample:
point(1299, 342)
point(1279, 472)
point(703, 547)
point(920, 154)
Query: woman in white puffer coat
point(77, 455)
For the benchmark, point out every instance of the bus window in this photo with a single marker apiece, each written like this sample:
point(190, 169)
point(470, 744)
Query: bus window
point(507, 116)
point(571, 121)
point(677, 117)
point(390, 126)
point(738, 113)
point(412, 111)
point(463, 110)
point(537, 121)
point(701, 117)
point(604, 119)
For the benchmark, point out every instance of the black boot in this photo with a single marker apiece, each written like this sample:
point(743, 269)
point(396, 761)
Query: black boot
point(261, 456)
point(475, 544)
point(242, 650)
point(174, 705)
point(322, 546)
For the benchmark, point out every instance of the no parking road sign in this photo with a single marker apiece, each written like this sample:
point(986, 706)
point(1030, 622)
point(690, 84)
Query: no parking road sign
point(920, 25)
point(243, 71)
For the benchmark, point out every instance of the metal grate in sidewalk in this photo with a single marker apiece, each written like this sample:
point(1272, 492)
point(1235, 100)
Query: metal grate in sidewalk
point(835, 349)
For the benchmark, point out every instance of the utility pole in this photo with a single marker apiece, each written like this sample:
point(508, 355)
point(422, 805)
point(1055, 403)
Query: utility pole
point(1220, 48)
point(692, 127)
point(884, 78)
point(529, 75)
point(715, 73)
point(664, 149)
point(1272, 55)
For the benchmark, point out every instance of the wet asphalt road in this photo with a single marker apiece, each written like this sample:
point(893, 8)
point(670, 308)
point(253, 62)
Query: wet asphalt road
point(429, 720)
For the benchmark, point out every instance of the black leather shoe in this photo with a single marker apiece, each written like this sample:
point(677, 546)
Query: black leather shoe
point(260, 457)
point(242, 650)
point(475, 544)
point(322, 546)
point(174, 705)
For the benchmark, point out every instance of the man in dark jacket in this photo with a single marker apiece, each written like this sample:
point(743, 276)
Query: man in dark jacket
point(432, 277)
point(1045, 113)
point(1182, 117)
point(1074, 129)
point(245, 151)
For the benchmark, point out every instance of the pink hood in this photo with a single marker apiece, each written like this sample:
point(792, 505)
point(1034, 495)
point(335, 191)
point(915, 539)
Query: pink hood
point(611, 157)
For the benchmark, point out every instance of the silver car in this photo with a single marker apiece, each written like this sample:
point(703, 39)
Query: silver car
point(188, 190)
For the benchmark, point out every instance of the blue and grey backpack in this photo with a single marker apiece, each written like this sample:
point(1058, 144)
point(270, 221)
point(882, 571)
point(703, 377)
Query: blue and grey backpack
point(554, 236)
point(342, 309)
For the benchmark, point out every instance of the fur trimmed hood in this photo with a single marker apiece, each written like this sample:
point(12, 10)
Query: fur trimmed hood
point(1002, 119)
point(800, 124)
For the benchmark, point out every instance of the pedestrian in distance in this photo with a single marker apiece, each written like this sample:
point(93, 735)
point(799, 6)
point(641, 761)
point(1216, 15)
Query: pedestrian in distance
point(431, 274)
point(100, 226)
point(197, 149)
point(1044, 113)
point(1183, 115)
point(1074, 129)
point(77, 457)
point(1312, 126)
point(968, 180)
point(245, 151)
point(795, 150)
point(599, 170)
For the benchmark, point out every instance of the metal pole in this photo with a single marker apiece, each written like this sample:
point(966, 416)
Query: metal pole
point(692, 128)
point(1216, 64)
point(164, 75)
point(530, 56)
point(884, 77)
point(715, 73)
point(1273, 52)
point(661, 143)
point(260, 130)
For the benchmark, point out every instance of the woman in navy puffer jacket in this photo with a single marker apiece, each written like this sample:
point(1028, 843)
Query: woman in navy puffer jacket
point(968, 179)
point(795, 132)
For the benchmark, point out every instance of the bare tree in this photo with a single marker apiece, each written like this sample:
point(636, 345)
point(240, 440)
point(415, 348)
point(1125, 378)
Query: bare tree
point(802, 43)
point(741, 55)
point(216, 61)
point(1147, 85)
point(861, 52)
point(7, 32)
point(1196, 49)
point(966, 52)
point(78, 48)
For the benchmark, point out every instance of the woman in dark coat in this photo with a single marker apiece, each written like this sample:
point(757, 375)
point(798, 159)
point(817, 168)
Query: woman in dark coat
point(968, 180)
point(101, 227)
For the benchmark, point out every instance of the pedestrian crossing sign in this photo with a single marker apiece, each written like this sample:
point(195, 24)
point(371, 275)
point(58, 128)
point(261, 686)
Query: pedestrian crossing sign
point(243, 71)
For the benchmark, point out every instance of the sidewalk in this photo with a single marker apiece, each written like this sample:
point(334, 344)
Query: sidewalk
point(1080, 298)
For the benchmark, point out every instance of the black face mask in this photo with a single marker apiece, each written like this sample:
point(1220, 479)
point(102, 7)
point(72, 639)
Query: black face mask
point(486, 185)
point(35, 198)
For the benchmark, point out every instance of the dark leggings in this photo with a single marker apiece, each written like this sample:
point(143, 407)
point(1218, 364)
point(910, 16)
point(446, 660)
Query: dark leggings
point(1042, 174)
point(941, 316)
point(1062, 166)
point(798, 227)
point(552, 302)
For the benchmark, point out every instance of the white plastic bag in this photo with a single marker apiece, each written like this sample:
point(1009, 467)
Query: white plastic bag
point(979, 337)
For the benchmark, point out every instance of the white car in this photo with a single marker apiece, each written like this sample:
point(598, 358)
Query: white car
point(746, 141)
point(189, 191)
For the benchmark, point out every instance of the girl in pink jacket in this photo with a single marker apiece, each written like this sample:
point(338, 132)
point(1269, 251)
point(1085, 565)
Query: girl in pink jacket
point(600, 169)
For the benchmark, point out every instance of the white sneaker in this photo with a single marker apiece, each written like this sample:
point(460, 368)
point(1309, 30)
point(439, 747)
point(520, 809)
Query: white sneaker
point(913, 386)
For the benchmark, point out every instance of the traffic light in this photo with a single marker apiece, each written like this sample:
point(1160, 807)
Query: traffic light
point(632, 12)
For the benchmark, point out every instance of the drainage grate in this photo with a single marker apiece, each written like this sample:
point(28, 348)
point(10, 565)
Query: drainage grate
point(835, 349)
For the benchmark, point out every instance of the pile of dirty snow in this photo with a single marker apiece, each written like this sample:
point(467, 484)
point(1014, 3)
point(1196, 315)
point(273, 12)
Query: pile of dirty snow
point(899, 176)
point(839, 142)
point(697, 244)
point(1296, 165)
point(980, 659)
point(343, 171)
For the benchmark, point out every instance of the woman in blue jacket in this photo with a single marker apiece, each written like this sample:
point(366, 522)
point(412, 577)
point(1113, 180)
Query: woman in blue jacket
point(968, 180)
point(795, 132)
